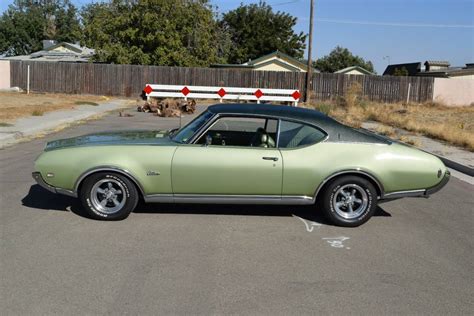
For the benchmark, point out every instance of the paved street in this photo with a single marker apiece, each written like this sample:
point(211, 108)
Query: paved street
point(414, 257)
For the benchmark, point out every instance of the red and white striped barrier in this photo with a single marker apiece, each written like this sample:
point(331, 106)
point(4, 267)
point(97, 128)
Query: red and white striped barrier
point(222, 93)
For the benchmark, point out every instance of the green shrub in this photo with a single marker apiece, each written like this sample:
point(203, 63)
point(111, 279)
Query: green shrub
point(324, 108)
point(86, 103)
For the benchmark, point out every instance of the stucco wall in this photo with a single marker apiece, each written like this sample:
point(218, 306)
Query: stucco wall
point(4, 74)
point(453, 92)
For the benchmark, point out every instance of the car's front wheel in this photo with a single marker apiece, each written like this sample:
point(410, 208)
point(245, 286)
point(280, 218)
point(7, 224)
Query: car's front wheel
point(349, 201)
point(108, 196)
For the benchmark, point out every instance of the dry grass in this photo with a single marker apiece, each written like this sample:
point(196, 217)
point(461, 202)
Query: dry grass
point(17, 105)
point(454, 125)
point(387, 131)
point(408, 140)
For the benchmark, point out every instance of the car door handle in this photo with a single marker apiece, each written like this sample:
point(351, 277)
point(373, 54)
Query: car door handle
point(270, 158)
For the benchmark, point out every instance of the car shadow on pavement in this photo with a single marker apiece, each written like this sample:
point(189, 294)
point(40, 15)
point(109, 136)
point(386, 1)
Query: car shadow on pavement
point(40, 198)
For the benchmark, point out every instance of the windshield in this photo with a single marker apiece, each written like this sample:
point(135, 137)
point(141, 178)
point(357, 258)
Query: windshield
point(183, 135)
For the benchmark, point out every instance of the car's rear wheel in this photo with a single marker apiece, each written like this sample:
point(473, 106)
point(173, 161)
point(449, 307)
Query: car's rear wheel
point(108, 196)
point(349, 201)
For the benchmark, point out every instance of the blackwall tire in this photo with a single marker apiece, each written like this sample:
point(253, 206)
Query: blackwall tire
point(349, 201)
point(108, 196)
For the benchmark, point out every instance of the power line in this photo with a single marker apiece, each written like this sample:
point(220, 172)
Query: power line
point(283, 3)
point(395, 23)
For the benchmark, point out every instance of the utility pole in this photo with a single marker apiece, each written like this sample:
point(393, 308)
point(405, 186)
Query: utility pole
point(309, 73)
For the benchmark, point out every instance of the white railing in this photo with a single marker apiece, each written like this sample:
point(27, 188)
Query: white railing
point(222, 93)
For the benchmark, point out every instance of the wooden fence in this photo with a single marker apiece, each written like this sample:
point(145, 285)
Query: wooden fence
point(129, 80)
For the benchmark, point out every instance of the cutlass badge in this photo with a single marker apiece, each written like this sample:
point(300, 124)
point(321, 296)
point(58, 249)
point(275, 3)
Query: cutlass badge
point(152, 173)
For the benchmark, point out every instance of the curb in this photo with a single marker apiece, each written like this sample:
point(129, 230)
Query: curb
point(456, 166)
point(8, 138)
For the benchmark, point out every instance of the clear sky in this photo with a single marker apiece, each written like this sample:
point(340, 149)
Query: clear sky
point(404, 30)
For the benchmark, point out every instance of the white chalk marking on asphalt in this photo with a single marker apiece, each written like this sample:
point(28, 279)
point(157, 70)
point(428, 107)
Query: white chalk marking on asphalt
point(337, 242)
point(309, 224)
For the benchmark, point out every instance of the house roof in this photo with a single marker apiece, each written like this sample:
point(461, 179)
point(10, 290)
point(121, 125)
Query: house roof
point(74, 53)
point(238, 66)
point(449, 72)
point(437, 63)
point(357, 68)
point(277, 53)
point(412, 68)
point(288, 61)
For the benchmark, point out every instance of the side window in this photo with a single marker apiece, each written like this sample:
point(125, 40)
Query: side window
point(296, 135)
point(241, 131)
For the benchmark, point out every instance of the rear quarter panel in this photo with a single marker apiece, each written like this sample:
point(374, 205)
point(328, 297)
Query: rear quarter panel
point(396, 167)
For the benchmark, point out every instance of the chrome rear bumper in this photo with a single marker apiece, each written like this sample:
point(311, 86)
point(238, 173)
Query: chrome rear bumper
point(418, 193)
point(439, 186)
point(39, 179)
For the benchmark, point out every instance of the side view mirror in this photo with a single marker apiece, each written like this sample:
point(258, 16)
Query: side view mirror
point(208, 140)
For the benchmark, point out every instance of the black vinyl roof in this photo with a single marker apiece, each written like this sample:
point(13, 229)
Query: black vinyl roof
point(301, 114)
point(336, 131)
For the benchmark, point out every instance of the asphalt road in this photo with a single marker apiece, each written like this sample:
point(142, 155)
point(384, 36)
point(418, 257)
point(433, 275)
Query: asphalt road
point(414, 257)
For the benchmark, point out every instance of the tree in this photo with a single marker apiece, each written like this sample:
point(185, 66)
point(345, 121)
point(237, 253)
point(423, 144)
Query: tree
point(400, 72)
point(154, 32)
point(340, 58)
point(256, 30)
point(26, 23)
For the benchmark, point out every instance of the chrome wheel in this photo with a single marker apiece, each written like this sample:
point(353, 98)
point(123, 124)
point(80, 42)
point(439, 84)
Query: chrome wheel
point(108, 196)
point(350, 201)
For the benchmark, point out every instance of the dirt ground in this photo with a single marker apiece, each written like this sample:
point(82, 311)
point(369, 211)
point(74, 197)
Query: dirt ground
point(17, 105)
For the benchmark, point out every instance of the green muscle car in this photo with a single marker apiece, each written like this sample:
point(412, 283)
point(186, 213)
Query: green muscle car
point(241, 153)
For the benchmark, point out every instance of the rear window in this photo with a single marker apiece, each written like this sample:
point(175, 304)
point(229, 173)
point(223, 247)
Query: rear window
point(294, 135)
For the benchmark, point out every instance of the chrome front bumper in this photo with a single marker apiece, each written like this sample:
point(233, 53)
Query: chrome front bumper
point(39, 179)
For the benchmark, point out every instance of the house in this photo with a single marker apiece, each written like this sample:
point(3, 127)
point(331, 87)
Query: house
point(433, 68)
point(409, 69)
point(442, 69)
point(58, 52)
point(354, 70)
point(276, 61)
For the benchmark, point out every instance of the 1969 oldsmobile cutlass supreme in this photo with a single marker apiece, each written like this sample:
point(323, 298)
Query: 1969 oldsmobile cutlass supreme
point(241, 153)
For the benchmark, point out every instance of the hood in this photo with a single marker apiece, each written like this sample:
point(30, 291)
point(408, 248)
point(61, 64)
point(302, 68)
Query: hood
point(160, 137)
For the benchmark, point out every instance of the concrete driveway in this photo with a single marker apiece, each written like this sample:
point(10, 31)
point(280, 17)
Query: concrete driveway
point(414, 257)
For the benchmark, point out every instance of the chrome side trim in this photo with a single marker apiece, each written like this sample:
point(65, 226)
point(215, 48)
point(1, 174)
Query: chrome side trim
point(159, 198)
point(297, 200)
point(66, 192)
point(348, 171)
point(402, 194)
point(229, 199)
point(107, 168)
